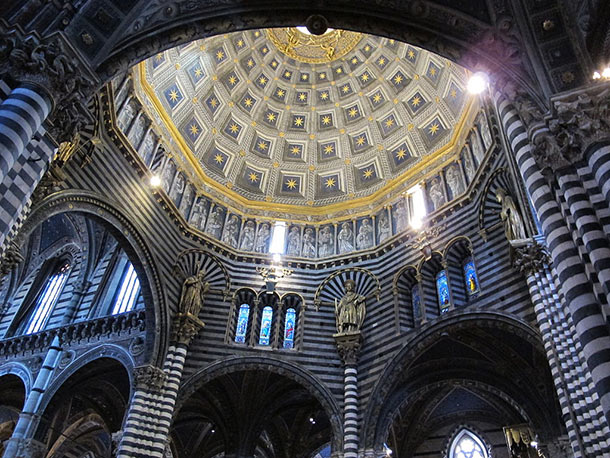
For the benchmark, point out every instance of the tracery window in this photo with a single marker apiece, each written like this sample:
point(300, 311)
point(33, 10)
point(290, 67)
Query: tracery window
point(125, 299)
point(471, 279)
point(467, 445)
point(289, 327)
point(48, 298)
point(242, 323)
point(266, 321)
point(442, 290)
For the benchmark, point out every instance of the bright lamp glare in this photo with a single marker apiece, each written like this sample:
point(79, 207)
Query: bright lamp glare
point(477, 83)
point(278, 237)
point(276, 257)
point(606, 72)
point(596, 75)
point(155, 181)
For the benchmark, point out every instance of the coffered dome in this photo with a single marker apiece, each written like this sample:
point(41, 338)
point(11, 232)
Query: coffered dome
point(287, 121)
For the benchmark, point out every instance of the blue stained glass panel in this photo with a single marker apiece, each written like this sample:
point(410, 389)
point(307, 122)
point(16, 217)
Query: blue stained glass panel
point(242, 323)
point(470, 277)
point(263, 338)
point(416, 301)
point(291, 315)
point(442, 290)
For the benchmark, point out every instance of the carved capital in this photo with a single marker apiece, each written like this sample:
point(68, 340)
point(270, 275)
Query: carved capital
point(149, 377)
point(529, 258)
point(185, 327)
point(51, 64)
point(348, 346)
point(30, 448)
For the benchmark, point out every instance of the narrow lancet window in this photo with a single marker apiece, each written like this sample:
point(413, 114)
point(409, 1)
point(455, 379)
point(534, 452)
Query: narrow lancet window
point(128, 292)
point(289, 327)
point(470, 277)
point(266, 319)
point(47, 299)
point(242, 323)
point(442, 289)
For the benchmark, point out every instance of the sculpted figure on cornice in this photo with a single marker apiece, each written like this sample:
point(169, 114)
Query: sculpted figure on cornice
point(309, 243)
point(194, 290)
point(247, 237)
point(510, 216)
point(262, 238)
point(325, 242)
point(350, 310)
point(383, 227)
point(364, 239)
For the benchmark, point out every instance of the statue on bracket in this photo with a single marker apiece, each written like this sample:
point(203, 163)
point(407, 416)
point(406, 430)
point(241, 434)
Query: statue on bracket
point(351, 310)
point(513, 224)
point(194, 290)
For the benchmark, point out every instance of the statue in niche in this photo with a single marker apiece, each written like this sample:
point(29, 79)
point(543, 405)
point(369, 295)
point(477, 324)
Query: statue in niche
point(454, 181)
point(186, 200)
point(262, 238)
point(351, 310)
point(198, 213)
point(477, 146)
point(177, 188)
point(364, 239)
point(485, 132)
point(325, 242)
point(247, 237)
point(383, 227)
point(294, 241)
point(214, 222)
point(402, 216)
point(468, 165)
point(513, 224)
point(346, 238)
point(309, 243)
point(230, 234)
point(193, 291)
point(436, 193)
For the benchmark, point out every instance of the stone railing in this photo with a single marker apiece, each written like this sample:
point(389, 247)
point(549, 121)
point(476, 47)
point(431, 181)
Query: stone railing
point(102, 328)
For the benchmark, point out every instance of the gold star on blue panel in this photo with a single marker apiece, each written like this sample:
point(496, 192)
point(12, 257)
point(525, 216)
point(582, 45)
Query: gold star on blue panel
point(338, 71)
point(239, 42)
point(354, 62)
point(324, 96)
point(388, 125)
point(261, 146)
point(196, 73)
point(301, 97)
point(400, 155)
point(252, 178)
point(304, 77)
point(248, 63)
point(247, 102)
point(360, 142)
point(232, 128)
point(399, 81)
point(454, 97)
point(377, 99)
point(219, 55)
point(261, 81)
point(279, 94)
point(173, 95)
point(328, 150)
point(367, 174)
point(231, 80)
point(294, 151)
point(433, 130)
point(264, 50)
point(212, 103)
point(433, 72)
point(256, 35)
point(416, 102)
point(352, 113)
point(322, 77)
point(274, 64)
point(381, 61)
point(328, 184)
point(287, 74)
point(216, 159)
point(325, 120)
point(291, 184)
point(158, 60)
point(411, 54)
point(298, 122)
point(270, 117)
point(365, 78)
point(390, 43)
point(367, 49)
point(192, 130)
point(345, 90)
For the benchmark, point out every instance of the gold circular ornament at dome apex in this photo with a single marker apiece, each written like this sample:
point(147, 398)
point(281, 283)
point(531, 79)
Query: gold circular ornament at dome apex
point(313, 49)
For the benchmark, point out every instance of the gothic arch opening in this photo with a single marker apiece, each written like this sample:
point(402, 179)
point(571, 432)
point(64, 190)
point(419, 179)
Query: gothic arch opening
point(11, 402)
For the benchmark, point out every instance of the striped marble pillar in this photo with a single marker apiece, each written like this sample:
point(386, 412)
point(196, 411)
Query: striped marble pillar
point(21, 115)
point(599, 161)
point(590, 326)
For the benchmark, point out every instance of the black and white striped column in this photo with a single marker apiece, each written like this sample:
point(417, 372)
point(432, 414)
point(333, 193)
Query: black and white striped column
point(350, 411)
point(599, 161)
point(21, 115)
point(590, 325)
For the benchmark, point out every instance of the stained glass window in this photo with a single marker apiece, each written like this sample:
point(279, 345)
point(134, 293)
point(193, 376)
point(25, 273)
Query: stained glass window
point(47, 299)
point(416, 301)
point(467, 445)
point(470, 277)
point(442, 290)
point(128, 292)
point(264, 337)
point(291, 315)
point(242, 323)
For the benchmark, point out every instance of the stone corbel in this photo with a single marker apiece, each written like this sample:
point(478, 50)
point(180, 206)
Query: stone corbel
point(185, 327)
point(528, 257)
point(348, 346)
point(149, 377)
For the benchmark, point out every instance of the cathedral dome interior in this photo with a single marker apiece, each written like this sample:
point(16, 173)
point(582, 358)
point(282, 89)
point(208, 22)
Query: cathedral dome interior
point(304, 229)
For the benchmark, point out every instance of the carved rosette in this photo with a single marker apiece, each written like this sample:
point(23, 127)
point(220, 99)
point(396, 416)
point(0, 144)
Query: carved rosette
point(348, 346)
point(149, 377)
point(530, 258)
point(185, 327)
point(51, 64)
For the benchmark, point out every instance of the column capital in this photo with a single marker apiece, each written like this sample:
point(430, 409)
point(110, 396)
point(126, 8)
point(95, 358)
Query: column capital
point(348, 346)
point(528, 256)
point(53, 67)
point(29, 448)
point(185, 327)
point(149, 377)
